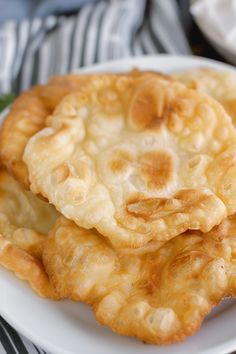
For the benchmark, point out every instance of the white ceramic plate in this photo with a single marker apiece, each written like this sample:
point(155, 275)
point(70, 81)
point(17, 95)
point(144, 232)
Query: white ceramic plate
point(68, 327)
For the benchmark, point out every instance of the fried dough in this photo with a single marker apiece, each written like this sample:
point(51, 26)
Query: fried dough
point(160, 296)
point(221, 85)
point(24, 223)
point(139, 159)
point(28, 114)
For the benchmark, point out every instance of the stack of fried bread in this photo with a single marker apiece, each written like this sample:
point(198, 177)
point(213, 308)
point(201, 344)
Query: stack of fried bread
point(119, 190)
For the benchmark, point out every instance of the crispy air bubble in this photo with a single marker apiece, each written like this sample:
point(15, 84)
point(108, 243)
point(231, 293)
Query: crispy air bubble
point(139, 158)
point(158, 295)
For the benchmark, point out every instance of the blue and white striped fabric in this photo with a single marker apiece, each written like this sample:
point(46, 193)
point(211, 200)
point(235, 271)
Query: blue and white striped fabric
point(33, 50)
point(12, 342)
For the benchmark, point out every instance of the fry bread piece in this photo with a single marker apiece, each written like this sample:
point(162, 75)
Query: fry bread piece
point(24, 223)
point(160, 296)
point(28, 114)
point(221, 85)
point(26, 267)
point(139, 159)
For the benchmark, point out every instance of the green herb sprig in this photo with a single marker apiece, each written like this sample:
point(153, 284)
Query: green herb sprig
point(5, 100)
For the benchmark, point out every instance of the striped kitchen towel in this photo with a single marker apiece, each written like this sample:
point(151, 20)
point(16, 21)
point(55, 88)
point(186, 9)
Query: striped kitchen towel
point(12, 342)
point(33, 50)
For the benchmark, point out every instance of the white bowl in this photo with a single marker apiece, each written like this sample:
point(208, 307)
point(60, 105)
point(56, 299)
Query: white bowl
point(219, 46)
point(222, 46)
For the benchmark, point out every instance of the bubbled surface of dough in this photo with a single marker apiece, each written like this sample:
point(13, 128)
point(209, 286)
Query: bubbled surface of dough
point(158, 295)
point(139, 158)
point(221, 85)
point(28, 115)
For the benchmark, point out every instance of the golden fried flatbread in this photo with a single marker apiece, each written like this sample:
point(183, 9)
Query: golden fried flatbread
point(140, 159)
point(25, 221)
point(160, 296)
point(28, 114)
point(221, 85)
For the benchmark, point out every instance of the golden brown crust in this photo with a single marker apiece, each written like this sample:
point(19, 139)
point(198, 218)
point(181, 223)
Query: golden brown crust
point(25, 221)
point(26, 267)
point(160, 295)
point(28, 114)
point(26, 117)
point(221, 85)
point(122, 145)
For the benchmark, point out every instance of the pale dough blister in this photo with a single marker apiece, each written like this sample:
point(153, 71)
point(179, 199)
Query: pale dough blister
point(140, 159)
